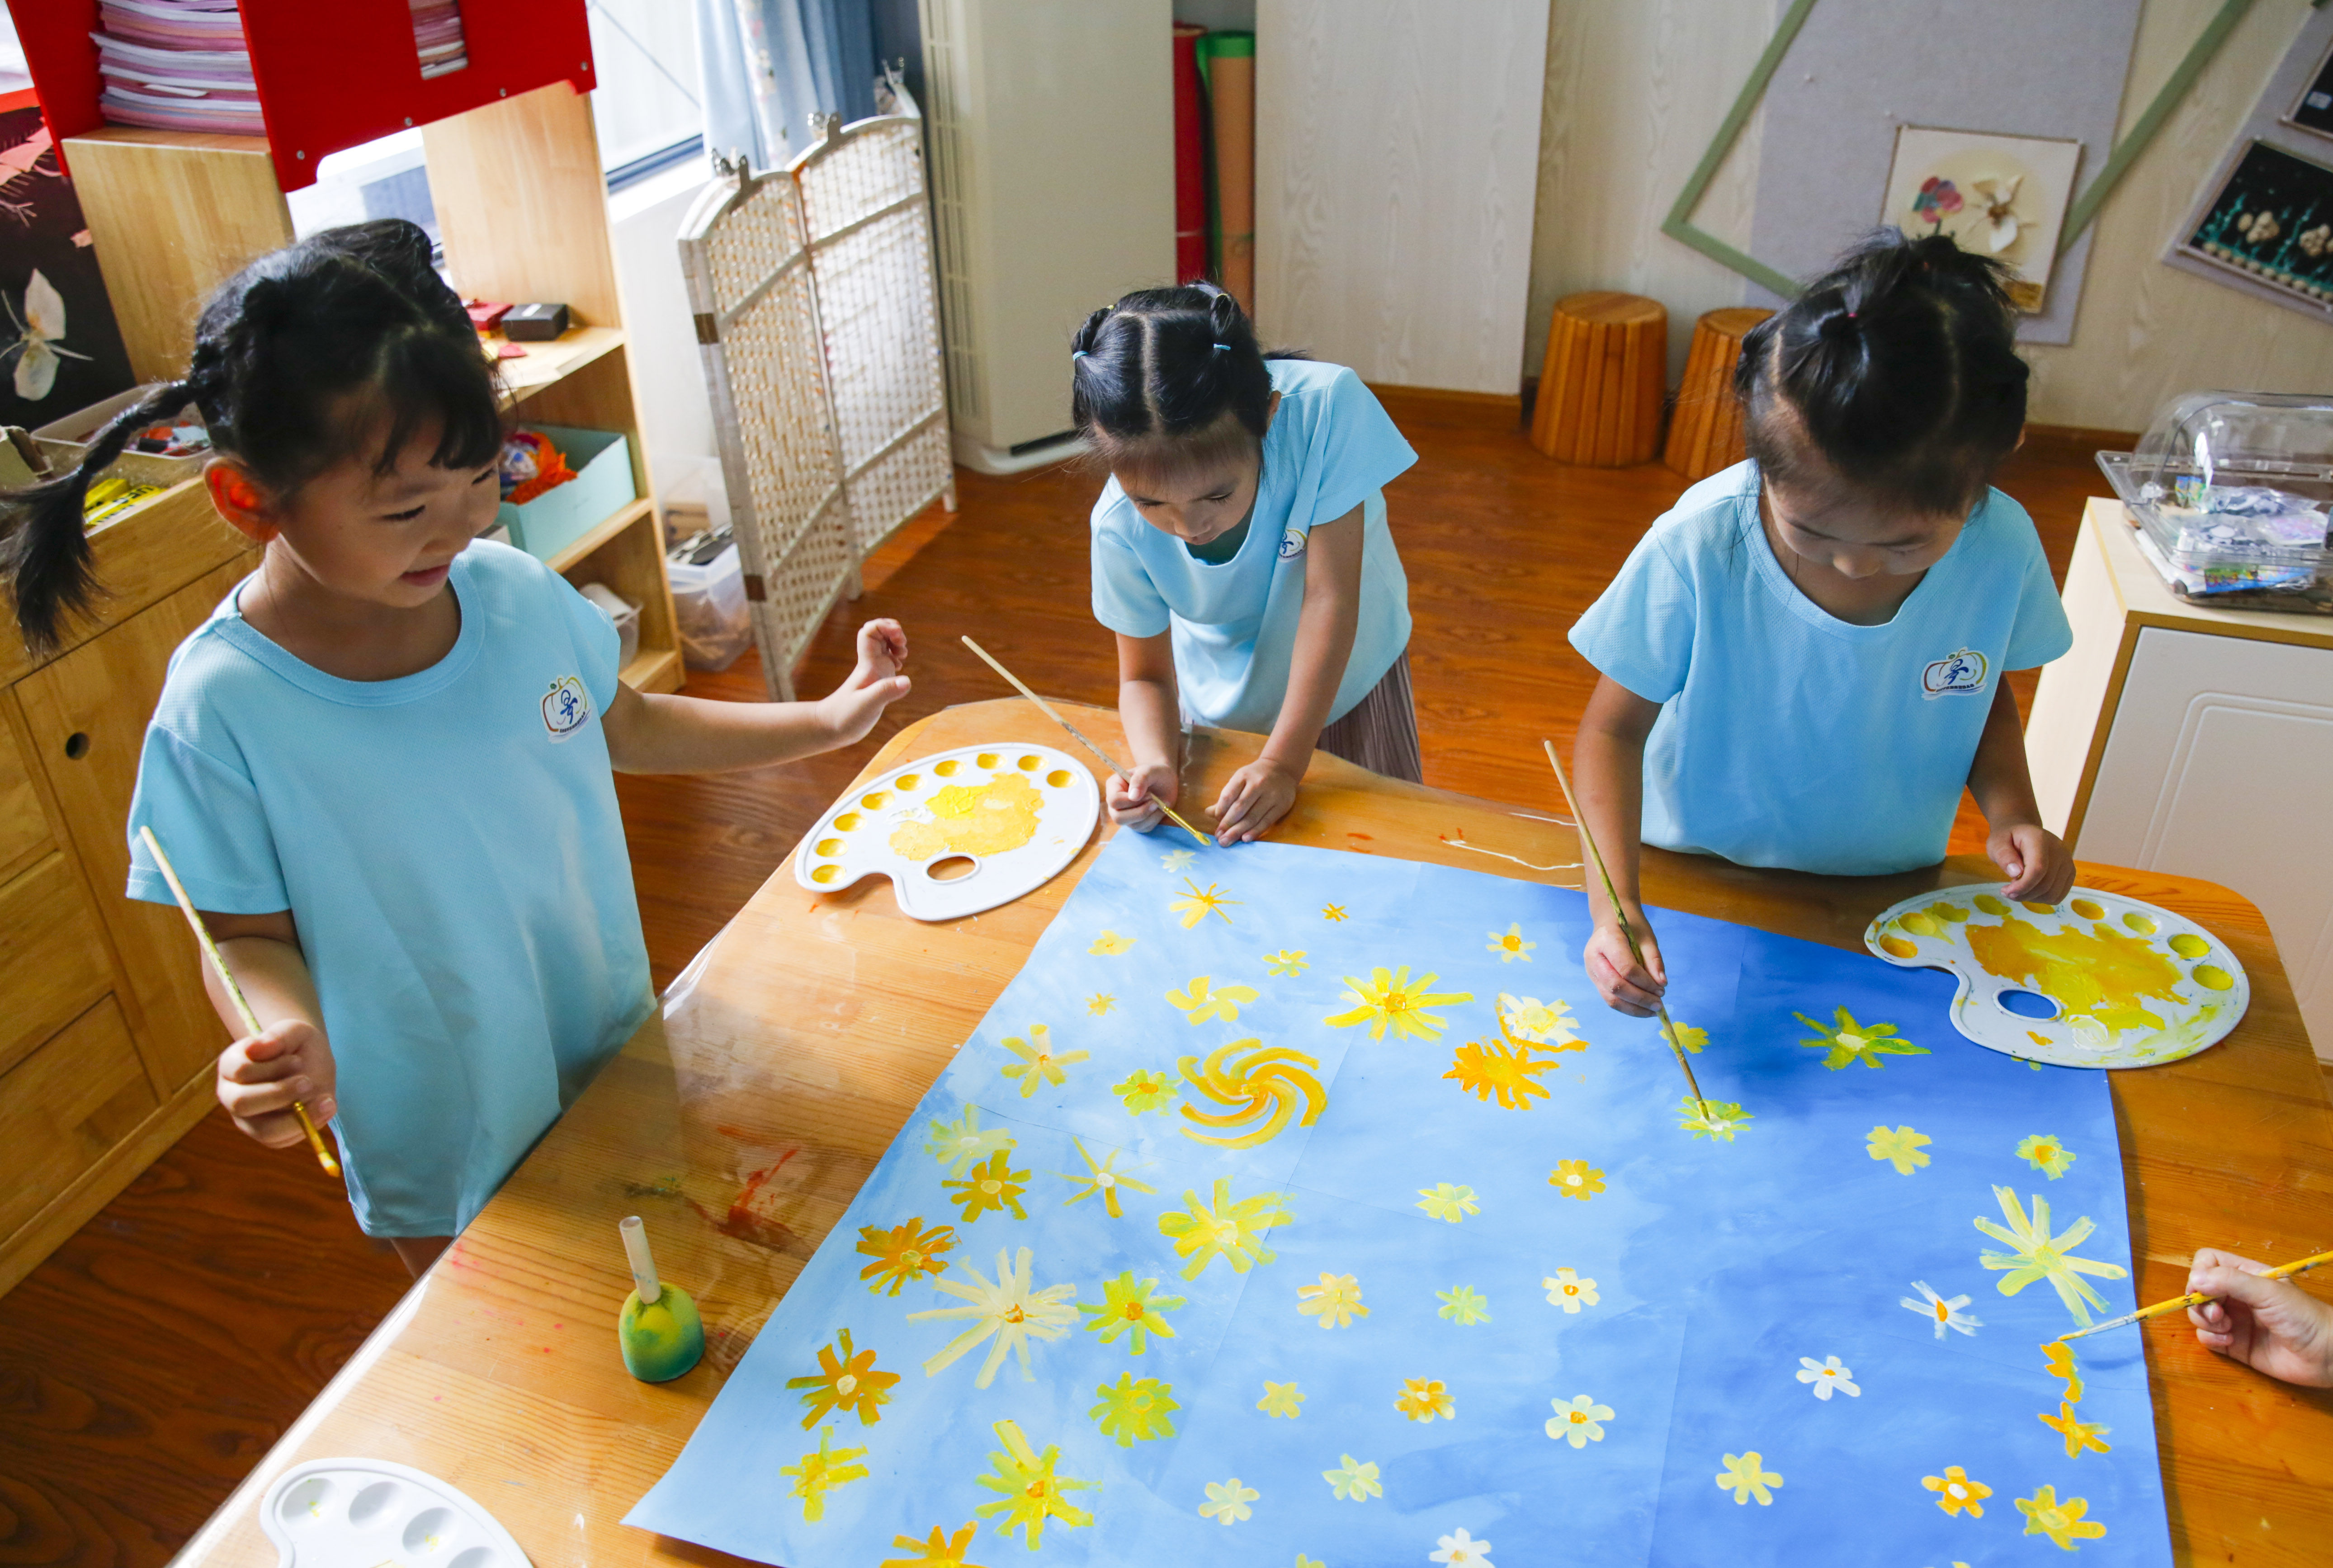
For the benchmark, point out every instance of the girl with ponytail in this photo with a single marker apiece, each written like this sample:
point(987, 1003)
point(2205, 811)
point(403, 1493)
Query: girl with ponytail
point(1241, 553)
point(382, 766)
point(1801, 662)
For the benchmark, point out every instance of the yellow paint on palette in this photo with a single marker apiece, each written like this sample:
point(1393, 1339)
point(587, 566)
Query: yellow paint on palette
point(829, 847)
point(985, 819)
point(2212, 977)
point(875, 801)
point(1900, 948)
point(2143, 924)
point(2088, 909)
point(1990, 905)
point(847, 823)
point(826, 873)
point(986, 759)
point(1920, 923)
point(1029, 763)
point(906, 781)
point(1952, 912)
point(2188, 945)
point(1059, 778)
point(947, 769)
point(2104, 976)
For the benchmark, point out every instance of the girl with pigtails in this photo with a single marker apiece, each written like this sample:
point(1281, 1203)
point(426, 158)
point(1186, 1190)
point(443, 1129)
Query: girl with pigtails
point(1241, 553)
point(382, 767)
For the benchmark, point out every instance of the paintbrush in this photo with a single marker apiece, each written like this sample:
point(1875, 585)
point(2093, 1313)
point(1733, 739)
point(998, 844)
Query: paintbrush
point(1668, 1029)
point(235, 992)
point(1100, 756)
point(2197, 1298)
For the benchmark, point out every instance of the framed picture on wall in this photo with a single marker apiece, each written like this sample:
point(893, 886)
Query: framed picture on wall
point(1999, 195)
point(2270, 223)
point(2314, 110)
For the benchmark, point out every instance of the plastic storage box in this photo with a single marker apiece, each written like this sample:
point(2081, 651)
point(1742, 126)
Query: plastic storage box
point(2231, 490)
point(602, 486)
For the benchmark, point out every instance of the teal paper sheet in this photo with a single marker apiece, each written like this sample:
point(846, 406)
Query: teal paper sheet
point(1431, 1326)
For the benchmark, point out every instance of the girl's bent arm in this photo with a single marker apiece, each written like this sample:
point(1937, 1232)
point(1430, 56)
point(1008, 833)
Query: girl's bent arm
point(691, 735)
point(1150, 714)
point(260, 1075)
point(1260, 794)
point(1608, 762)
point(2035, 858)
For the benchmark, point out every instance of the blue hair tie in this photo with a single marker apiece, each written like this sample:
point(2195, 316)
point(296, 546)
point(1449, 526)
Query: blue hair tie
point(1222, 347)
point(1077, 353)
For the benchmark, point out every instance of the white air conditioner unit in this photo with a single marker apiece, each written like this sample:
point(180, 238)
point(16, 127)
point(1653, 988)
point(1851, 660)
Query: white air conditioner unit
point(1050, 127)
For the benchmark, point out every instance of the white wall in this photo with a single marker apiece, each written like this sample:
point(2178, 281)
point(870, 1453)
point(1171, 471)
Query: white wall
point(668, 376)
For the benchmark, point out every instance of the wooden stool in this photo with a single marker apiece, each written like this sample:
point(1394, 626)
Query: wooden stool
point(1599, 390)
point(1705, 431)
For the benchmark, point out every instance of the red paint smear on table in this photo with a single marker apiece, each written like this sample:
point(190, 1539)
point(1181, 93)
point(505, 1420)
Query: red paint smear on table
point(744, 1224)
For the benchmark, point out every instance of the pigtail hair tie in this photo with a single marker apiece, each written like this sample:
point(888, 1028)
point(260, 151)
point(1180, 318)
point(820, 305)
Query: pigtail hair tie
point(1222, 347)
point(1077, 353)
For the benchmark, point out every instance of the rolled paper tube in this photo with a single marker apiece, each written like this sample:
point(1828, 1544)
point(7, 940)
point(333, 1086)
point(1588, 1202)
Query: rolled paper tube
point(636, 1252)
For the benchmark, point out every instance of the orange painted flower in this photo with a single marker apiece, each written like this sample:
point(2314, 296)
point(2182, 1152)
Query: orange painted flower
point(1509, 1073)
point(1956, 1493)
point(904, 1254)
point(844, 1380)
point(1422, 1399)
point(993, 1185)
point(1576, 1178)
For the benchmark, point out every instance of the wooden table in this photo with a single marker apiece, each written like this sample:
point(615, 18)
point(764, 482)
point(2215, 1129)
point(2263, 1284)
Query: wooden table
point(788, 1056)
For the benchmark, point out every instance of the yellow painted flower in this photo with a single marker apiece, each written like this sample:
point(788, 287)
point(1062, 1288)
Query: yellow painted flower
point(1099, 1003)
point(1011, 1310)
point(1132, 1309)
point(1509, 945)
point(1576, 1178)
point(1176, 860)
point(1746, 1476)
point(1110, 945)
point(1336, 1301)
point(2045, 1153)
point(1197, 903)
point(1040, 1063)
point(1718, 1122)
point(1508, 1074)
point(940, 1551)
point(1104, 1177)
point(1135, 1407)
point(2062, 1522)
point(1847, 1041)
point(1234, 1232)
point(903, 1254)
point(960, 1144)
point(1394, 999)
point(1445, 1200)
point(2081, 1436)
point(1304, 1562)
point(1422, 1399)
point(1332, 911)
point(1579, 1421)
point(1260, 1088)
point(1684, 1036)
point(1464, 1305)
point(1528, 1021)
point(2061, 1357)
point(1287, 962)
point(1568, 1291)
point(1029, 1491)
point(1956, 1493)
point(1227, 1501)
point(990, 1187)
point(1144, 1089)
point(1282, 1399)
point(1200, 1001)
point(1352, 1481)
point(817, 1474)
point(2038, 1254)
point(1899, 1146)
point(846, 1381)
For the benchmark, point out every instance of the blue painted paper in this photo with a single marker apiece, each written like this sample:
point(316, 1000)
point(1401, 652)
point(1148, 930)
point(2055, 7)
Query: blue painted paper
point(1716, 1285)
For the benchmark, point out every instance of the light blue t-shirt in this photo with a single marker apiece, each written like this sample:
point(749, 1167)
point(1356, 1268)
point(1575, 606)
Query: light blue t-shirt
point(1786, 736)
point(1330, 448)
point(449, 847)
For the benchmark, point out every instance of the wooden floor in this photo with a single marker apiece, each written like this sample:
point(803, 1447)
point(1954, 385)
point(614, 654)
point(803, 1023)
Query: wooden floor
point(148, 1363)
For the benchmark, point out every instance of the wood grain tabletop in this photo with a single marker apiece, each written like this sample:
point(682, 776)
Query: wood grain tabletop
point(741, 1121)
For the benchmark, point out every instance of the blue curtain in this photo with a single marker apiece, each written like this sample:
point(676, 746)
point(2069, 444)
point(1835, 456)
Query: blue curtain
point(767, 65)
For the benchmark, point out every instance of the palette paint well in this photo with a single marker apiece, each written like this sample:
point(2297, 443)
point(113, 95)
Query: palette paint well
point(958, 833)
point(2095, 980)
point(365, 1512)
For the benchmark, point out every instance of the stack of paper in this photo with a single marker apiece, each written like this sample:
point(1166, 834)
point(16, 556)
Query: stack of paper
point(177, 65)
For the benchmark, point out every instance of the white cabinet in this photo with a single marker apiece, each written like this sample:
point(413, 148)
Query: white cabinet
point(2194, 742)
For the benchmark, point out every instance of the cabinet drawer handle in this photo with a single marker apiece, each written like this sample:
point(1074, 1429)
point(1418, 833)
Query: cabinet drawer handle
point(77, 745)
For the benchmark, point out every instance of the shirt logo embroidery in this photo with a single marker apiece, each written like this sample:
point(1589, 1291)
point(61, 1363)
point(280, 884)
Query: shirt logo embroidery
point(1960, 673)
point(1291, 545)
point(566, 708)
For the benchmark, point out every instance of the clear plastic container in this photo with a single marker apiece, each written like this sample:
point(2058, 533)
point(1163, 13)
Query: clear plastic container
point(2231, 490)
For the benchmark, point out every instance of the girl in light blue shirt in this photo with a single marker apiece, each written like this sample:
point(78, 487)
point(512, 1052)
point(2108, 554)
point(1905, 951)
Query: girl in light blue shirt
point(1801, 662)
point(1241, 553)
point(382, 766)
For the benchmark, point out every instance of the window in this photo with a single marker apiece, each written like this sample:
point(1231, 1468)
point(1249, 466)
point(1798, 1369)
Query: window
point(647, 105)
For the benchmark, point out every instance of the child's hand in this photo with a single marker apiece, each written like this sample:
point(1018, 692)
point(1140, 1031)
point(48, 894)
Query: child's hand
point(1134, 802)
point(2034, 860)
point(2270, 1325)
point(1254, 798)
point(851, 710)
point(260, 1075)
point(1626, 985)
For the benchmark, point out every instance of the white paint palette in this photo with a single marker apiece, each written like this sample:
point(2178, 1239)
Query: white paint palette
point(376, 1514)
point(958, 833)
point(2095, 980)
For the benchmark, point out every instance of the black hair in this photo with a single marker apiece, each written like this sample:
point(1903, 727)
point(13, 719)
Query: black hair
point(1154, 377)
point(1900, 366)
point(279, 350)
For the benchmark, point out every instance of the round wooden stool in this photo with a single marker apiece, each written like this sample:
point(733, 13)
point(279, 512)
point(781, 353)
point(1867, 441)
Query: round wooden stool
point(1705, 431)
point(1599, 389)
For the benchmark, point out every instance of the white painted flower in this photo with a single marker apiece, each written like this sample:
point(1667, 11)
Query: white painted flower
point(1826, 1377)
point(1228, 1501)
point(1460, 1550)
point(1947, 1315)
point(1509, 944)
point(1176, 860)
point(1568, 1291)
point(1579, 1421)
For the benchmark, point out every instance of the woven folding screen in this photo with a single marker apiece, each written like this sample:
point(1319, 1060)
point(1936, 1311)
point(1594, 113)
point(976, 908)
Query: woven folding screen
point(813, 295)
